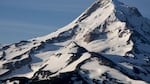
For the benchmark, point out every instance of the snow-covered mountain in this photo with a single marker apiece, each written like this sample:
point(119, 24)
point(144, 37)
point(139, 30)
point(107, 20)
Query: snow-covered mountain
point(109, 43)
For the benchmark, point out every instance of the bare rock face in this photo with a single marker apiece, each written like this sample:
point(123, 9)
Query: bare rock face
point(17, 64)
point(90, 37)
point(109, 43)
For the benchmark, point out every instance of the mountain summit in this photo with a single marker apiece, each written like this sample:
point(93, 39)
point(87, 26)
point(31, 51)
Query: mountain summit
point(109, 43)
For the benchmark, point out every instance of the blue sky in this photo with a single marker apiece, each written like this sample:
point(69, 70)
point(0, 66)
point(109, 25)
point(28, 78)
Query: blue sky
point(25, 19)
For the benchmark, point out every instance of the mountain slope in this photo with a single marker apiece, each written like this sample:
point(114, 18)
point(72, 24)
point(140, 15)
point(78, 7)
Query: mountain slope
point(108, 43)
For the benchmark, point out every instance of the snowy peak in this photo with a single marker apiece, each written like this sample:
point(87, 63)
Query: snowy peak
point(106, 6)
point(97, 5)
point(108, 43)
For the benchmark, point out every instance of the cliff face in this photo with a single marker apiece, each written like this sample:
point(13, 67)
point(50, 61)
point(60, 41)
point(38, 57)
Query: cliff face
point(109, 43)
